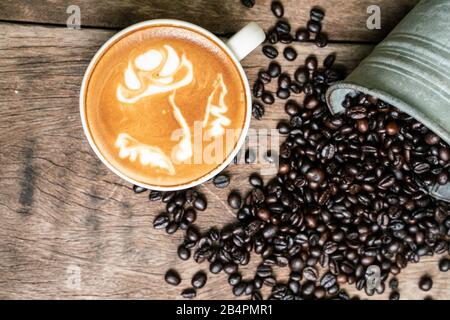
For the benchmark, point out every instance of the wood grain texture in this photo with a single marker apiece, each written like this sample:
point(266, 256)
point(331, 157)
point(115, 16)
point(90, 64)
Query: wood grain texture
point(345, 20)
point(62, 210)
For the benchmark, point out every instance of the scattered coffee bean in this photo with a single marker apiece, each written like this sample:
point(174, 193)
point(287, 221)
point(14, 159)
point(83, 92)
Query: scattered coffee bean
point(155, 195)
point(258, 89)
point(321, 40)
point(264, 77)
point(277, 9)
point(316, 14)
point(161, 221)
point(394, 295)
point(215, 267)
point(255, 180)
point(221, 181)
point(425, 283)
point(282, 27)
point(283, 93)
point(393, 284)
point(311, 63)
point(183, 252)
point(234, 279)
point(270, 52)
point(250, 156)
point(189, 293)
point(172, 277)
point(200, 204)
point(314, 26)
point(274, 70)
point(302, 35)
point(138, 189)
point(234, 200)
point(290, 54)
point(268, 98)
point(199, 280)
point(248, 3)
point(258, 110)
point(444, 265)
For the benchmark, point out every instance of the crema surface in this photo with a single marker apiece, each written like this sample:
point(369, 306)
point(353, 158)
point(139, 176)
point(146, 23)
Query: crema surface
point(165, 105)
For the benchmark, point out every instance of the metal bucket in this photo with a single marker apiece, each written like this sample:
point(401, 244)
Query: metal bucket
point(410, 70)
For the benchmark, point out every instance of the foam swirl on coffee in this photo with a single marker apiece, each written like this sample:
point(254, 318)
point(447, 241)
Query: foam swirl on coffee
point(154, 72)
point(130, 148)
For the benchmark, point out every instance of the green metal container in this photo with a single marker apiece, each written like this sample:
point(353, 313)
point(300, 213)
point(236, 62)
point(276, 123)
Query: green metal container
point(410, 69)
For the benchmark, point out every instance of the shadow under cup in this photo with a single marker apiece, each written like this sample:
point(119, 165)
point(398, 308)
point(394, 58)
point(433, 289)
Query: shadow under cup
point(165, 105)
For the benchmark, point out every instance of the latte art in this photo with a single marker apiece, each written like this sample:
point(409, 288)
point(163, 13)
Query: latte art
point(154, 72)
point(158, 99)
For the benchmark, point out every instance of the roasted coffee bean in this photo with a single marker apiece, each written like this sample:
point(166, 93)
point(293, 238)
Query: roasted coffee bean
point(258, 110)
point(285, 38)
point(283, 93)
point(314, 26)
point(425, 283)
point(392, 128)
point(189, 293)
point(199, 280)
point(328, 280)
point(295, 88)
point(221, 181)
point(215, 267)
point(316, 14)
point(234, 279)
point(258, 89)
point(301, 76)
point(315, 175)
point(172, 277)
point(234, 200)
point(311, 63)
point(270, 52)
point(190, 215)
point(239, 289)
point(284, 81)
point(290, 54)
point(192, 234)
point(302, 35)
point(274, 70)
point(138, 189)
point(393, 284)
point(321, 40)
point(268, 98)
point(444, 265)
point(282, 27)
point(277, 9)
point(248, 3)
point(394, 295)
point(432, 139)
point(311, 102)
point(292, 108)
point(230, 268)
point(264, 77)
point(310, 273)
point(256, 180)
point(272, 36)
point(183, 252)
point(200, 203)
point(161, 221)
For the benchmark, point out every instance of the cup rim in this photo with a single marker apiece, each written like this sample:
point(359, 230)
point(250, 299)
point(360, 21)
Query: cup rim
point(215, 39)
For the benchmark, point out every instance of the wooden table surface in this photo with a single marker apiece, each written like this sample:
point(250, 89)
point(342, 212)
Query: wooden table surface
point(62, 211)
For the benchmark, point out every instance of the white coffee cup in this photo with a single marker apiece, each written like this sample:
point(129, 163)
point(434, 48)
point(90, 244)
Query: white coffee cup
point(237, 48)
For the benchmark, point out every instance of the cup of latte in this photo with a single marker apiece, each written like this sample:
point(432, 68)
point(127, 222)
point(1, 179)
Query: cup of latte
point(166, 105)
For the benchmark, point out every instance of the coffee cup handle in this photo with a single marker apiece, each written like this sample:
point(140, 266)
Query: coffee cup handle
point(246, 40)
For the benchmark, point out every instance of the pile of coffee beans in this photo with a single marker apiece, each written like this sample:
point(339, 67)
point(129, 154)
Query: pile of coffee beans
point(350, 193)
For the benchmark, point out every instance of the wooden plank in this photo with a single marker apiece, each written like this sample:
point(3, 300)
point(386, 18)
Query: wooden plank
point(345, 20)
point(62, 210)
